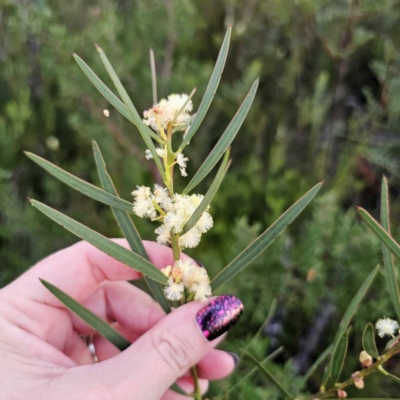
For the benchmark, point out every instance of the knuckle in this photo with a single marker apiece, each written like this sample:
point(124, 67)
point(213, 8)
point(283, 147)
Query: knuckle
point(177, 352)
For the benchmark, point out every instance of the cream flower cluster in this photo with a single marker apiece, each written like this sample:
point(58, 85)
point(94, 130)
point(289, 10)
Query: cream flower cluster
point(173, 213)
point(184, 274)
point(181, 160)
point(159, 116)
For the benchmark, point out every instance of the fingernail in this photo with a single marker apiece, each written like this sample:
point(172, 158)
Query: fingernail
point(234, 356)
point(199, 263)
point(219, 315)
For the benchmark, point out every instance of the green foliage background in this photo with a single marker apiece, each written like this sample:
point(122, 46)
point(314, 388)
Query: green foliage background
point(328, 107)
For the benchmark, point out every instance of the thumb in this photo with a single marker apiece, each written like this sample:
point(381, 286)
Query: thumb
point(177, 342)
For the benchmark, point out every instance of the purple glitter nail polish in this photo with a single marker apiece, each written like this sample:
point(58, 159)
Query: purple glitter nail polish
point(219, 315)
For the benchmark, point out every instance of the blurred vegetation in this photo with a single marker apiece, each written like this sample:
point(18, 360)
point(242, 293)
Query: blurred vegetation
point(328, 107)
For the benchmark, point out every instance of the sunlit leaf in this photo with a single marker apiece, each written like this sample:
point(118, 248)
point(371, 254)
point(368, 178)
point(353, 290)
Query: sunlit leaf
point(104, 244)
point(264, 240)
point(101, 326)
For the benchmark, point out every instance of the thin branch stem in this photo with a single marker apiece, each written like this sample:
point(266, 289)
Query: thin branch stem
point(377, 366)
point(197, 393)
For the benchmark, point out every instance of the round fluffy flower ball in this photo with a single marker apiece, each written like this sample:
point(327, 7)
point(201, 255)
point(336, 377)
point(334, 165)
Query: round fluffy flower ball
point(386, 326)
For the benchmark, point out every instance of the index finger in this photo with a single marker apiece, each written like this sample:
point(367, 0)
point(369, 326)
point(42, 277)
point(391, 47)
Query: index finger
point(78, 270)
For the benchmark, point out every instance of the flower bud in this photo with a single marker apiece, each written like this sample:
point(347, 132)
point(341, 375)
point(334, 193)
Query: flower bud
point(177, 274)
point(166, 271)
point(341, 394)
point(359, 383)
point(355, 374)
point(365, 359)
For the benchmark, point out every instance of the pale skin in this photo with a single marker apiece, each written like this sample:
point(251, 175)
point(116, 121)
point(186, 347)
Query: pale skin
point(42, 355)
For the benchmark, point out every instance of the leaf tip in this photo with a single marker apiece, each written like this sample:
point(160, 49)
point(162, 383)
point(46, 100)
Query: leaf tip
point(44, 283)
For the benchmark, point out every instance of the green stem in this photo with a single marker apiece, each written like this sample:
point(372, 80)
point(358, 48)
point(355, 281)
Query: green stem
point(175, 246)
point(170, 162)
point(197, 393)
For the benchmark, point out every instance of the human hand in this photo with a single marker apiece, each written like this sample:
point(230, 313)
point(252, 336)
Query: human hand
point(43, 356)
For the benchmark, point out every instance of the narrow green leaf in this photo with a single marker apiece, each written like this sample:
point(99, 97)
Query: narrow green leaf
point(388, 261)
point(265, 239)
point(143, 129)
point(225, 141)
point(270, 357)
point(128, 228)
point(267, 320)
point(209, 195)
point(102, 243)
point(108, 94)
point(81, 186)
point(326, 378)
point(101, 326)
point(338, 357)
point(368, 341)
point(269, 375)
point(350, 311)
point(120, 89)
point(313, 367)
point(383, 236)
point(384, 372)
point(395, 378)
point(348, 315)
point(153, 76)
point(183, 106)
point(355, 302)
point(210, 91)
point(178, 389)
